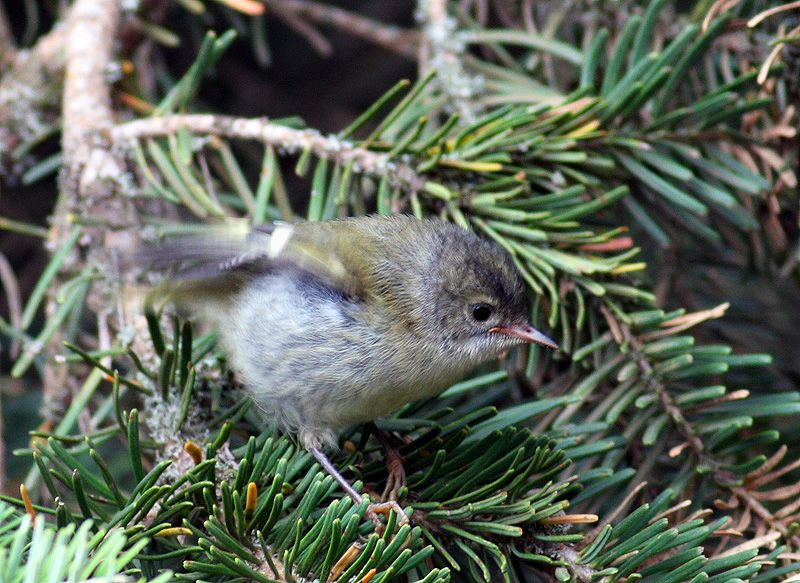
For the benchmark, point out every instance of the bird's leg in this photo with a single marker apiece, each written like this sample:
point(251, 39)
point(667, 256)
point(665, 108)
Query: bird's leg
point(396, 478)
point(331, 469)
point(373, 510)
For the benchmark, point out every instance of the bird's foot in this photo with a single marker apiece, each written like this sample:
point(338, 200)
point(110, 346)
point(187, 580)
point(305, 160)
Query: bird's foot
point(395, 481)
point(396, 475)
point(384, 508)
point(373, 510)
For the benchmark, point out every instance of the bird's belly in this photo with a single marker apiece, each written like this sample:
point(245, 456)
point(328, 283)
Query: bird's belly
point(384, 393)
point(313, 366)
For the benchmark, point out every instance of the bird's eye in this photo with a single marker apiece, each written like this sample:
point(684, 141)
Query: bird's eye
point(482, 312)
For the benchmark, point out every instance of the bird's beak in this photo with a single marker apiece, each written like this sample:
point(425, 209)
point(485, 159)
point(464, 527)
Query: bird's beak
point(525, 332)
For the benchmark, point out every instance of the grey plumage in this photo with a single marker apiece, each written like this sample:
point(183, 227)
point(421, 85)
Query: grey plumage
point(331, 324)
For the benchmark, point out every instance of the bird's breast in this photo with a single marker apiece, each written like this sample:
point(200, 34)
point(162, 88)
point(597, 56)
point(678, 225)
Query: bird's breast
point(314, 360)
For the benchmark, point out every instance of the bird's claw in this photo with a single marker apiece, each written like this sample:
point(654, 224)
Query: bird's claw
point(396, 478)
point(376, 509)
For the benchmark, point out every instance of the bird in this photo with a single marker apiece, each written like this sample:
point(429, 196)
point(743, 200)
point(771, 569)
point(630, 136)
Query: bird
point(335, 323)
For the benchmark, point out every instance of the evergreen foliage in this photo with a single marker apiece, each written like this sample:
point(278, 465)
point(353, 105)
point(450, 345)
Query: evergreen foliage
point(639, 451)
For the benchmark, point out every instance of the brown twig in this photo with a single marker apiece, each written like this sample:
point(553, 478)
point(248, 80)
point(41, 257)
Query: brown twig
point(667, 402)
point(761, 16)
point(27, 95)
point(304, 28)
point(93, 174)
point(8, 46)
point(10, 285)
point(717, 8)
point(91, 27)
point(388, 36)
point(268, 133)
point(685, 428)
point(442, 51)
point(2, 449)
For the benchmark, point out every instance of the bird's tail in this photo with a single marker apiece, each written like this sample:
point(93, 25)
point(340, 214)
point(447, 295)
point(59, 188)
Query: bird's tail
point(202, 267)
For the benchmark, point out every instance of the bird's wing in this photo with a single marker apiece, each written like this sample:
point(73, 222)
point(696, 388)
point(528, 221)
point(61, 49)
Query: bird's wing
point(209, 261)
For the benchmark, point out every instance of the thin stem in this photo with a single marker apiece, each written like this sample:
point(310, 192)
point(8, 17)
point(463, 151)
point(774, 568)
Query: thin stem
point(328, 466)
point(13, 298)
point(261, 129)
point(694, 442)
point(443, 52)
point(8, 47)
point(391, 37)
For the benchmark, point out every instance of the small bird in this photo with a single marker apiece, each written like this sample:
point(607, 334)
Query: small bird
point(335, 323)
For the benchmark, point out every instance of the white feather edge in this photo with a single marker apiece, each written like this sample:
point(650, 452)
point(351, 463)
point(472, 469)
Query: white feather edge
point(278, 240)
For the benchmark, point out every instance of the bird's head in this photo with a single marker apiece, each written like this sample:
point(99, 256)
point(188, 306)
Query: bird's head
point(464, 293)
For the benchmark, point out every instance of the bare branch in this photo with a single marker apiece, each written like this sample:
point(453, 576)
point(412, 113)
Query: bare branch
point(304, 28)
point(693, 441)
point(28, 90)
point(87, 103)
point(443, 51)
point(388, 36)
point(2, 449)
point(10, 286)
point(8, 46)
point(268, 133)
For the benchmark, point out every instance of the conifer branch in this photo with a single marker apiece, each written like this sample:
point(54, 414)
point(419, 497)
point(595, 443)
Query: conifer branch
point(693, 440)
point(550, 184)
point(262, 130)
